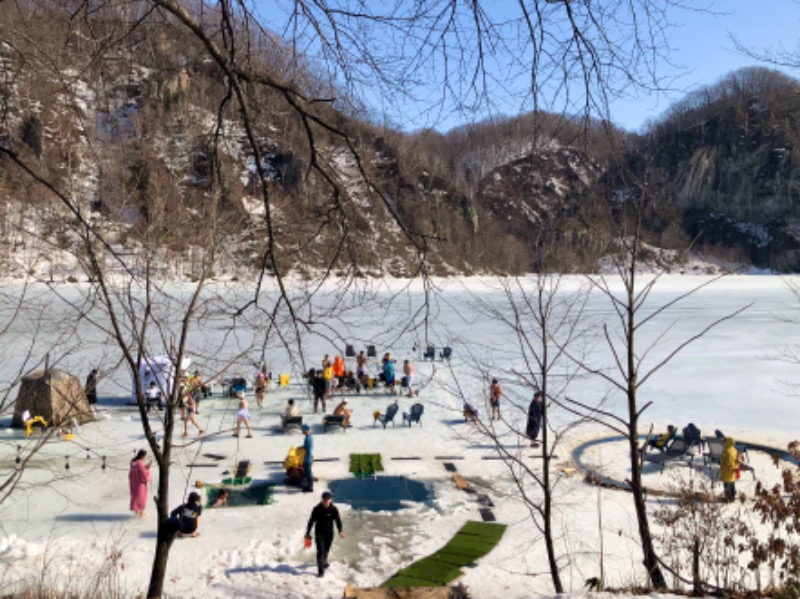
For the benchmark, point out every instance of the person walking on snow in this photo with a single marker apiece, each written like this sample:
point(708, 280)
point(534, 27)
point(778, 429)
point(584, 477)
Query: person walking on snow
point(190, 412)
point(323, 517)
point(243, 417)
point(260, 387)
point(534, 418)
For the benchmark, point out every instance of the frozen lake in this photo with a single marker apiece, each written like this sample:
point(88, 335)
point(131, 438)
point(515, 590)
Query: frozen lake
point(737, 365)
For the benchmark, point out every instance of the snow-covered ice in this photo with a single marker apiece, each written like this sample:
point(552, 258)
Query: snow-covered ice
point(65, 522)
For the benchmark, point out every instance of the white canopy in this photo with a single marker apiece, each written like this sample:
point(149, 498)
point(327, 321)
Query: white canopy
point(158, 370)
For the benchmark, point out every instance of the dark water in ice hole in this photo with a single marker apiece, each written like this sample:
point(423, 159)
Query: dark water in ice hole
point(383, 493)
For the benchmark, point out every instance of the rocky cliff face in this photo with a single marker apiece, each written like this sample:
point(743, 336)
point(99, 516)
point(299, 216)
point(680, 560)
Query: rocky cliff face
point(727, 158)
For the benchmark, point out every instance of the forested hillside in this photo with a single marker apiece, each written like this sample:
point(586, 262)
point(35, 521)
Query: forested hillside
point(124, 114)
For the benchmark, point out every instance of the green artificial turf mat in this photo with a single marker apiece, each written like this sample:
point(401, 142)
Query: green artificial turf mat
point(473, 541)
point(400, 581)
point(483, 529)
point(237, 481)
point(365, 464)
point(461, 544)
point(456, 559)
point(437, 572)
point(258, 494)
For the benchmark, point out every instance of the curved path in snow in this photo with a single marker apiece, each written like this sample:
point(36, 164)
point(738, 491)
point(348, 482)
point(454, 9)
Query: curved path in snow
point(612, 483)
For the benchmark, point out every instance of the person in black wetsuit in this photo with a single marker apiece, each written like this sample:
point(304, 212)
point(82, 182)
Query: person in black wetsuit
point(322, 519)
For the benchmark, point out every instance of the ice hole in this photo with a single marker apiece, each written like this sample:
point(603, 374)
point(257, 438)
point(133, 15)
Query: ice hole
point(383, 493)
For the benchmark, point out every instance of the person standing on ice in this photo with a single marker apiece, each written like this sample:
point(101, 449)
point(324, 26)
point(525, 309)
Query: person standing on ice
point(327, 373)
point(728, 467)
point(361, 364)
point(320, 386)
point(388, 373)
point(534, 418)
point(91, 390)
point(308, 459)
point(408, 373)
point(495, 392)
point(138, 477)
point(260, 387)
point(323, 517)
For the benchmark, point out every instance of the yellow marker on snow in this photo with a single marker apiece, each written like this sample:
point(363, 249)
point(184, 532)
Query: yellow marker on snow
point(29, 424)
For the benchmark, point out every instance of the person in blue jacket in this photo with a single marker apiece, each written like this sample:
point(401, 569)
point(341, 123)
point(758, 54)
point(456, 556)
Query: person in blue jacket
point(308, 459)
point(389, 375)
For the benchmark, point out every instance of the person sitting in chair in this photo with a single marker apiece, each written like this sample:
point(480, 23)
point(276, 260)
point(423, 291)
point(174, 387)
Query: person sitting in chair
point(661, 441)
point(292, 411)
point(344, 411)
point(153, 396)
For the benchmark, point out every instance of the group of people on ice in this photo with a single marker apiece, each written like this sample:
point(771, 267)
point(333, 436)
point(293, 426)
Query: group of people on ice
point(534, 422)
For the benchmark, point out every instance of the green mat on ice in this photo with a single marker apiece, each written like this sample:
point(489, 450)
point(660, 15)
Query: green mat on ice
point(473, 541)
point(255, 494)
point(365, 464)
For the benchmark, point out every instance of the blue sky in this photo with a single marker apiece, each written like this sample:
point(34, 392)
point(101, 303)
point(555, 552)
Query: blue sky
point(704, 52)
point(700, 38)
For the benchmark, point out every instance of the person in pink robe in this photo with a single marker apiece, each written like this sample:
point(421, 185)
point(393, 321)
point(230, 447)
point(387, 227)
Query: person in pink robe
point(138, 478)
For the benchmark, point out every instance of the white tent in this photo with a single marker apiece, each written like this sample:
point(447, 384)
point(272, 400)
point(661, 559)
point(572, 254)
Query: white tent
point(158, 370)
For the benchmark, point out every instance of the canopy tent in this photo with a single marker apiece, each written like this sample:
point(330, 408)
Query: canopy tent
point(159, 370)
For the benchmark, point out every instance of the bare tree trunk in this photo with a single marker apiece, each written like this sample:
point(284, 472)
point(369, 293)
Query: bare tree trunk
point(555, 575)
point(159, 570)
point(645, 536)
point(158, 573)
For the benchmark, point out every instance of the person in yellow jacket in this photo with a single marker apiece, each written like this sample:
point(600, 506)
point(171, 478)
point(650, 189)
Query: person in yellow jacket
point(728, 467)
